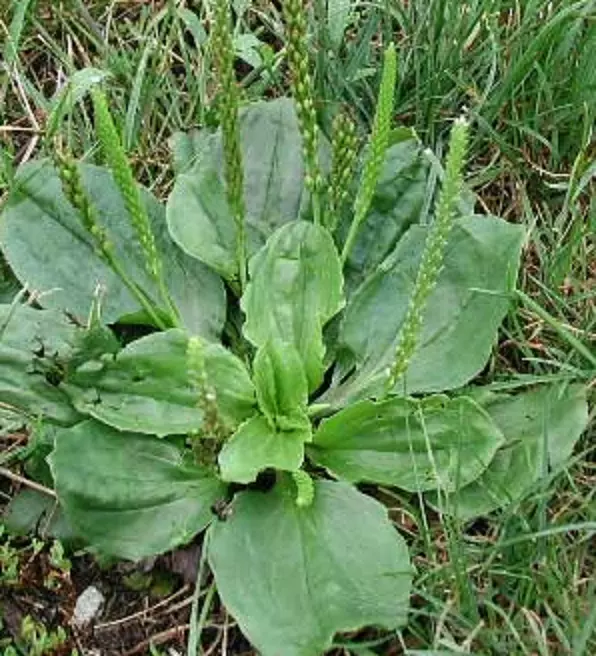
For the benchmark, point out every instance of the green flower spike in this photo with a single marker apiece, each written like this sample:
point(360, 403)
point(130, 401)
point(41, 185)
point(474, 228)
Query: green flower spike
point(345, 150)
point(207, 398)
point(377, 148)
point(294, 12)
point(223, 57)
point(432, 256)
point(213, 430)
point(72, 186)
point(118, 162)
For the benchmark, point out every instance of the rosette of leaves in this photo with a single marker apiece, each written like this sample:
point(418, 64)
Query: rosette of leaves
point(285, 408)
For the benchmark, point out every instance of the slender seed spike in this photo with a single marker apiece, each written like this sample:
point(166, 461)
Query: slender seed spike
point(75, 192)
point(377, 148)
point(206, 397)
point(223, 57)
point(432, 256)
point(294, 13)
point(72, 185)
point(345, 150)
point(118, 162)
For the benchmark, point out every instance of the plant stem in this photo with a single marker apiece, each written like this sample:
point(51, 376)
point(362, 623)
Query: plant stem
point(137, 293)
point(316, 208)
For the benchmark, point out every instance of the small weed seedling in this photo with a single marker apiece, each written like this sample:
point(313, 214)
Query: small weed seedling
point(9, 560)
point(35, 640)
point(312, 318)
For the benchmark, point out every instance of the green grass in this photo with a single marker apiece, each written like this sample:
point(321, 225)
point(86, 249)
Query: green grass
point(519, 582)
point(523, 70)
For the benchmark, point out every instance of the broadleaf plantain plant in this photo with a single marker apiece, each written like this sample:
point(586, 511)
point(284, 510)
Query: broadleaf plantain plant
point(305, 390)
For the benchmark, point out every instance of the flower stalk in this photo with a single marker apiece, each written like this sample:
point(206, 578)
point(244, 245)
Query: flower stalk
point(433, 254)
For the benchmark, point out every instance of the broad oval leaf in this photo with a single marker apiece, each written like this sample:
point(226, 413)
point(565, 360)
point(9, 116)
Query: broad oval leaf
point(198, 213)
point(34, 346)
point(129, 495)
point(145, 388)
point(31, 512)
point(460, 322)
point(438, 443)
point(186, 148)
point(256, 446)
point(47, 247)
point(294, 576)
point(295, 288)
point(541, 428)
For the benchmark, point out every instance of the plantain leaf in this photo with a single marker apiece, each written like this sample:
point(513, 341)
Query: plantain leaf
point(338, 17)
point(9, 285)
point(257, 445)
point(129, 495)
point(294, 576)
point(541, 428)
point(187, 147)
point(295, 288)
point(48, 249)
point(145, 388)
point(34, 347)
point(281, 385)
point(461, 319)
point(414, 445)
point(198, 214)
